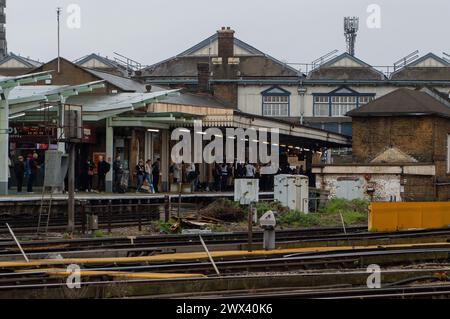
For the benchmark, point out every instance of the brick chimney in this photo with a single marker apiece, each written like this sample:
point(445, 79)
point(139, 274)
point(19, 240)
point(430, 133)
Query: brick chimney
point(226, 44)
point(225, 68)
point(203, 77)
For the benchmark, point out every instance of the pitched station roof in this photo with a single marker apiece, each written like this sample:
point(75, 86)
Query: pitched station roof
point(346, 67)
point(253, 62)
point(403, 102)
point(429, 67)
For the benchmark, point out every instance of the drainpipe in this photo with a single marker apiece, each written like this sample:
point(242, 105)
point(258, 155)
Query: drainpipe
point(301, 92)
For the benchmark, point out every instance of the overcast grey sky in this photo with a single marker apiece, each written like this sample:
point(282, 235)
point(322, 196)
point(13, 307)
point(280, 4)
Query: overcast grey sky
point(290, 30)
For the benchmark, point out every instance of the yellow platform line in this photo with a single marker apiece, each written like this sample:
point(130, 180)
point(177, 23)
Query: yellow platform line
point(115, 274)
point(202, 256)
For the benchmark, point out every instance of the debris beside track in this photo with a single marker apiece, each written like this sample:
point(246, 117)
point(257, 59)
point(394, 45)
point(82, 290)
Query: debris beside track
point(223, 210)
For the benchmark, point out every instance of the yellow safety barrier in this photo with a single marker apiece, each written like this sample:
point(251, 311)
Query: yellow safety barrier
point(115, 274)
point(404, 216)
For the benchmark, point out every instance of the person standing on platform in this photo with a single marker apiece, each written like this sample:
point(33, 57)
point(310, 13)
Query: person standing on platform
point(118, 173)
point(156, 170)
point(250, 171)
point(191, 176)
point(19, 171)
point(148, 176)
point(140, 173)
point(217, 175)
point(176, 173)
point(224, 177)
point(89, 171)
point(103, 168)
point(31, 171)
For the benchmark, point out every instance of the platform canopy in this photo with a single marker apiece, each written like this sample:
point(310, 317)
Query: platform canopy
point(176, 115)
point(27, 98)
point(102, 106)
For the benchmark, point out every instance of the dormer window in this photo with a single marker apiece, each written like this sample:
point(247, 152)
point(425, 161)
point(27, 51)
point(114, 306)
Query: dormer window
point(276, 102)
point(338, 102)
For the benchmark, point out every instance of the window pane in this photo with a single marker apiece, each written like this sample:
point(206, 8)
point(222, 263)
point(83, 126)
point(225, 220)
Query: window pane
point(346, 129)
point(321, 109)
point(332, 127)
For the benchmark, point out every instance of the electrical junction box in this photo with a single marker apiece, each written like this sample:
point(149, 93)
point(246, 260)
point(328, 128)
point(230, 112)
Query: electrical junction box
point(246, 191)
point(56, 166)
point(92, 222)
point(268, 221)
point(292, 191)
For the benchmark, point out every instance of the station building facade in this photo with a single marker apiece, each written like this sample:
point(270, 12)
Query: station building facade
point(256, 83)
point(126, 117)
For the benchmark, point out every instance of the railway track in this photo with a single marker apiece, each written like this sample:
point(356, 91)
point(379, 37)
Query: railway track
point(347, 257)
point(403, 292)
point(421, 282)
point(145, 245)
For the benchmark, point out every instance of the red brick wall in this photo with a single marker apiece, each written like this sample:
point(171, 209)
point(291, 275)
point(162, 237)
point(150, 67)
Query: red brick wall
point(422, 137)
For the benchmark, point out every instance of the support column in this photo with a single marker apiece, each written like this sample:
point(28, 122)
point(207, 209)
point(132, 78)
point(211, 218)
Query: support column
point(60, 129)
point(4, 143)
point(71, 184)
point(165, 160)
point(109, 154)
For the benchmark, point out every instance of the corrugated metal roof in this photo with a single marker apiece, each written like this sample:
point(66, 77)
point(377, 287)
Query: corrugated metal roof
point(196, 100)
point(123, 83)
point(110, 102)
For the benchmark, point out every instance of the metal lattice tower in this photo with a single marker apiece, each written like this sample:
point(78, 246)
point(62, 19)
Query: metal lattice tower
point(351, 27)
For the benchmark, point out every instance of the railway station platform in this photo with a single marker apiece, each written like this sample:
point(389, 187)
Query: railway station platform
point(82, 196)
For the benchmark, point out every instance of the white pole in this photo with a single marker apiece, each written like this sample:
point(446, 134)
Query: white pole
point(17, 242)
point(209, 256)
point(4, 142)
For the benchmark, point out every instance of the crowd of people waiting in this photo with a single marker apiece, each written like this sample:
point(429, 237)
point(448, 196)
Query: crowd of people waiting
point(224, 174)
point(26, 170)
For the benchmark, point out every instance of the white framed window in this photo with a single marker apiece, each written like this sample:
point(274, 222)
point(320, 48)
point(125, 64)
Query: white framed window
point(275, 105)
point(339, 102)
point(321, 106)
point(365, 99)
point(340, 105)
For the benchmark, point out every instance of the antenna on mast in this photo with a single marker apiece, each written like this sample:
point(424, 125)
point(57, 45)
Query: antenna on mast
point(351, 28)
point(58, 17)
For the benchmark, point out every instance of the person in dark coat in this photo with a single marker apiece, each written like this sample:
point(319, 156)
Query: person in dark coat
point(19, 171)
point(140, 173)
point(118, 173)
point(103, 168)
point(31, 171)
point(156, 172)
point(89, 171)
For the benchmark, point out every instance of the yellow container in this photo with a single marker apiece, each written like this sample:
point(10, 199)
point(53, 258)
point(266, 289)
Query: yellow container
point(404, 216)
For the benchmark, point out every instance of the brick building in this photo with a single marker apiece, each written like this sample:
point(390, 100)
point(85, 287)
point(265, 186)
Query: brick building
point(403, 137)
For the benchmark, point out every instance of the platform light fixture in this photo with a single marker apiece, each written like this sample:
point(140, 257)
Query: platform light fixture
point(45, 108)
point(14, 116)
